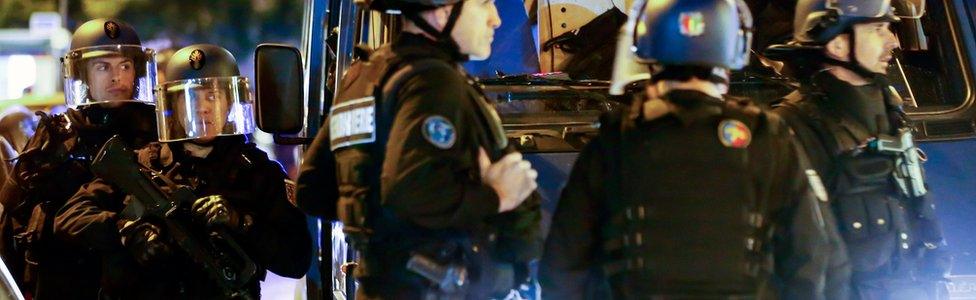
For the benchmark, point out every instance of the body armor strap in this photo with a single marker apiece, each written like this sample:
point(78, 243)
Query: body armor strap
point(628, 243)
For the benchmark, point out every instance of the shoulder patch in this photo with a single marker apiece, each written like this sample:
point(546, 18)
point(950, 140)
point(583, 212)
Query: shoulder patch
point(439, 131)
point(734, 134)
point(352, 123)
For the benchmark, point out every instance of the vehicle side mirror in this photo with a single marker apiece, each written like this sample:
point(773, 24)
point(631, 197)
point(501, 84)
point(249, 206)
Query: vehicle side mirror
point(280, 89)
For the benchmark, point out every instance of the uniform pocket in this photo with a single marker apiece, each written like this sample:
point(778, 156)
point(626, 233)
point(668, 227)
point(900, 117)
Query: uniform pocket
point(853, 217)
point(879, 214)
point(867, 227)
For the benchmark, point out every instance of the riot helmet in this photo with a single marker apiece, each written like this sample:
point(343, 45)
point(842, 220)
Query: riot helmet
point(626, 68)
point(205, 96)
point(107, 64)
point(411, 10)
point(714, 35)
point(817, 22)
point(408, 5)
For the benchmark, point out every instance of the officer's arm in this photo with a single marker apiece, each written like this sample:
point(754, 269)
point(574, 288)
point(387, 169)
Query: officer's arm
point(519, 232)
point(936, 261)
point(39, 172)
point(316, 188)
point(87, 218)
point(811, 258)
point(573, 242)
point(431, 178)
point(279, 234)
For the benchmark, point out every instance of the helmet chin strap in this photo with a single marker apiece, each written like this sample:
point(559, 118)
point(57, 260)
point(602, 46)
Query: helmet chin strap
point(442, 37)
point(854, 65)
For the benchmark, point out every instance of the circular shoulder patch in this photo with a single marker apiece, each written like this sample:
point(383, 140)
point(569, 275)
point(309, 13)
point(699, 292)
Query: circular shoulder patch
point(439, 131)
point(734, 134)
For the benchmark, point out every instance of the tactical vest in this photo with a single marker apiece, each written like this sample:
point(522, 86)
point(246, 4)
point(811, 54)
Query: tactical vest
point(671, 233)
point(359, 125)
point(55, 162)
point(873, 214)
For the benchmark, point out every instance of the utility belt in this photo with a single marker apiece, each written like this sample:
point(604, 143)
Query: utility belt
point(442, 269)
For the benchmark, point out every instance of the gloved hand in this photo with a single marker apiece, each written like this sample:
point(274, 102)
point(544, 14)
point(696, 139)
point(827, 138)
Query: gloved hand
point(215, 210)
point(145, 241)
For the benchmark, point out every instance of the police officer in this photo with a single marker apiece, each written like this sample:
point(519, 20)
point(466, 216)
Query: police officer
point(108, 82)
point(856, 134)
point(205, 111)
point(431, 195)
point(687, 196)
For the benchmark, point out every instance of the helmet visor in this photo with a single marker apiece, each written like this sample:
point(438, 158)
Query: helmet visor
point(626, 68)
point(909, 9)
point(205, 107)
point(112, 73)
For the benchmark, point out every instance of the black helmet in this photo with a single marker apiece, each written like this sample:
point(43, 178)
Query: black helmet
point(402, 5)
point(201, 61)
point(104, 32)
point(410, 9)
point(102, 39)
point(705, 33)
point(204, 96)
point(819, 21)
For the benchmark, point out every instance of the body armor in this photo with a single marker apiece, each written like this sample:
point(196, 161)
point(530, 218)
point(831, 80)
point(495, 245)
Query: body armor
point(667, 235)
point(875, 184)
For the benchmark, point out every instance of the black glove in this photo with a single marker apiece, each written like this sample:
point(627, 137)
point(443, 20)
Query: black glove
point(145, 241)
point(215, 210)
point(38, 164)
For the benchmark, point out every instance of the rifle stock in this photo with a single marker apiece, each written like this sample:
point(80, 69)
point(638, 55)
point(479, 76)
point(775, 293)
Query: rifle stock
point(214, 249)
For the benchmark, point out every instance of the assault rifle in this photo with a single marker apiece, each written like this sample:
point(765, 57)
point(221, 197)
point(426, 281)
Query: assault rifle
point(157, 198)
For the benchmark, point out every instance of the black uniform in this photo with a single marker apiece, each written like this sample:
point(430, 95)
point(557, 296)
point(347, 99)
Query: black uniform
point(433, 203)
point(278, 240)
point(691, 205)
point(55, 163)
point(893, 239)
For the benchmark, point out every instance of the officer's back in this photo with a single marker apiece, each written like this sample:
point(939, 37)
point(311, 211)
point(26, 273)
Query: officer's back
point(686, 195)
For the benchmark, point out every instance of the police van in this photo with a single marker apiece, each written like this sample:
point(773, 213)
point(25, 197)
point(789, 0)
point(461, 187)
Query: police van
point(550, 109)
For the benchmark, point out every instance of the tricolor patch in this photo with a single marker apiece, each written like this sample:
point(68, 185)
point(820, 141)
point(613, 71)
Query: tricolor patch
point(692, 24)
point(734, 134)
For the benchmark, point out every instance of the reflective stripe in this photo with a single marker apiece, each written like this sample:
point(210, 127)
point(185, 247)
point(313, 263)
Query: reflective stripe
point(352, 123)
